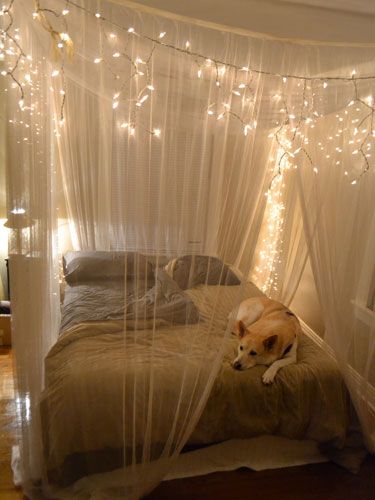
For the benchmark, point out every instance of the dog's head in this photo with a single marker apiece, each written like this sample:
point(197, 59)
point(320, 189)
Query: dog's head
point(254, 348)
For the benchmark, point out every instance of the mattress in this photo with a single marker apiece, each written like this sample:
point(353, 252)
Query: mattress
point(86, 400)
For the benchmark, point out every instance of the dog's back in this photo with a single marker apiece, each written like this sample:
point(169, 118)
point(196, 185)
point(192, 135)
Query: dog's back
point(255, 308)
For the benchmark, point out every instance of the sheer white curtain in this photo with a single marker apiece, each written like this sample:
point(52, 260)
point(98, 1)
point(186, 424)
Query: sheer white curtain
point(338, 219)
point(166, 153)
point(33, 265)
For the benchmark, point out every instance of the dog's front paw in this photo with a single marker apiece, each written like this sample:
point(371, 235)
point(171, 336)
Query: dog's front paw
point(268, 376)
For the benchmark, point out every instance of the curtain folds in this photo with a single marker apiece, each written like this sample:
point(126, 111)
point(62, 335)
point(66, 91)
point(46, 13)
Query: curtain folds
point(171, 150)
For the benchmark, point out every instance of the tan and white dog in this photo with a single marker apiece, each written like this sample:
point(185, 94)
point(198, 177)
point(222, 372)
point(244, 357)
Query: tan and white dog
point(268, 335)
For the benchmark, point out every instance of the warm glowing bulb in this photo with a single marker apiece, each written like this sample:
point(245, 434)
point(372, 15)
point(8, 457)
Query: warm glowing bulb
point(130, 30)
point(112, 35)
point(115, 104)
point(18, 211)
point(97, 60)
point(210, 112)
point(116, 54)
point(151, 87)
point(199, 73)
point(55, 72)
point(98, 15)
point(124, 125)
point(65, 12)
point(325, 85)
point(144, 98)
point(162, 34)
point(157, 132)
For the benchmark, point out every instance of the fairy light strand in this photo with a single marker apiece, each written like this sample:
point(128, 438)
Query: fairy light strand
point(290, 124)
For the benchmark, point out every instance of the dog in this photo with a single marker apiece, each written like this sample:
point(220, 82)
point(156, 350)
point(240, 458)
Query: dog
point(268, 335)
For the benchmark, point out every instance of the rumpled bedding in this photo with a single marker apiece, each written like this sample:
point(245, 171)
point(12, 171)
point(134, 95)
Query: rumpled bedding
point(88, 411)
point(137, 301)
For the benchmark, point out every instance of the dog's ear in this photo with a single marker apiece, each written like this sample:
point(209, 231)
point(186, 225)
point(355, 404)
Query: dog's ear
point(241, 329)
point(269, 342)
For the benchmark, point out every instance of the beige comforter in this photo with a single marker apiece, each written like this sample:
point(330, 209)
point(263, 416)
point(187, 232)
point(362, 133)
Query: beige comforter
point(105, 389)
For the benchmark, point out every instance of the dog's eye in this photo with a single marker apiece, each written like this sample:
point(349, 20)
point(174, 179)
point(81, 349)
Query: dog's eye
point(253, 353)
point(241, 348)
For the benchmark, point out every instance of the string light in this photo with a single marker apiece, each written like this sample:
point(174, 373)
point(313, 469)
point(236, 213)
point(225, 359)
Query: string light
point(290, 133)
point(269, 250)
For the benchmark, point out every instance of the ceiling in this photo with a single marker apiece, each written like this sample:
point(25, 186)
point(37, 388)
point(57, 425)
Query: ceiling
point(348, 21)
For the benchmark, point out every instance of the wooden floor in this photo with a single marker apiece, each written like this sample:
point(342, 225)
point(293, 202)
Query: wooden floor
point(311, 482)
point(8, 425)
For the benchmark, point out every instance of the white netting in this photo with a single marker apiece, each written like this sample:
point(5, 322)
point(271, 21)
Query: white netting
point(168, 150)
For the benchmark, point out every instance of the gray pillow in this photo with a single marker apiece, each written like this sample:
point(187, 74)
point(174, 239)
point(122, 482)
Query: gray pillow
point(80, 267)
point(192, 270)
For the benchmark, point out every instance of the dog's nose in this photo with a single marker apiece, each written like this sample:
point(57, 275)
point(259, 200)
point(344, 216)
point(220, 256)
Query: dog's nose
point(237, 365)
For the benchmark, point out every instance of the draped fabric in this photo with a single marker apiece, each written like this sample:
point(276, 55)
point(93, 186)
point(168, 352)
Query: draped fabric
point(182, 171)
point(342, 260)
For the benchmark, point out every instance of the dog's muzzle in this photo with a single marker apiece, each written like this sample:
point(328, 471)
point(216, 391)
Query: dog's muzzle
point(237, 365)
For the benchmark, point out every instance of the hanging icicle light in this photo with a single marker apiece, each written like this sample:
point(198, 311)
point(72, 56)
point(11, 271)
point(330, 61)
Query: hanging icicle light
point(22, 77)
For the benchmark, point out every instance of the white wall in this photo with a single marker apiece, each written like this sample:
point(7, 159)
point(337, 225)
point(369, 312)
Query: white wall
point(306, 303)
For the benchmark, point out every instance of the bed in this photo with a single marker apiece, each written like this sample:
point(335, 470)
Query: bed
point(82, 406)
